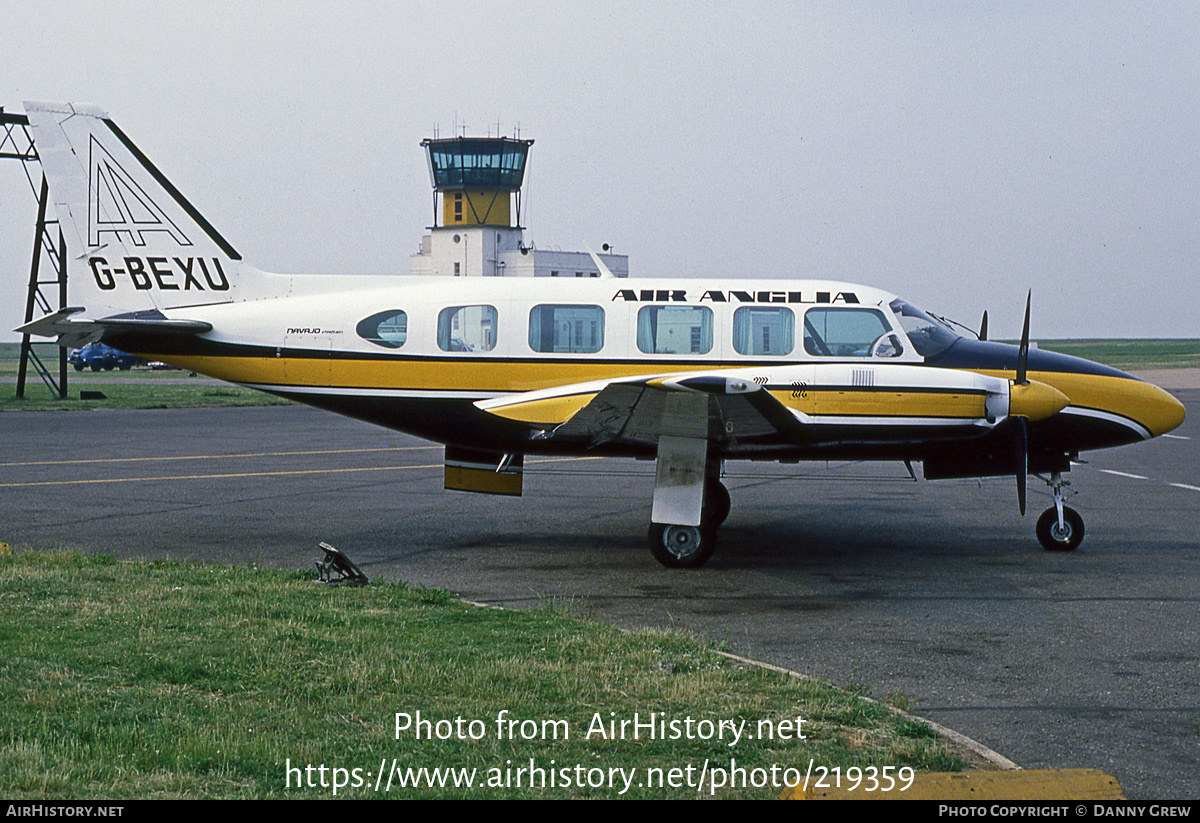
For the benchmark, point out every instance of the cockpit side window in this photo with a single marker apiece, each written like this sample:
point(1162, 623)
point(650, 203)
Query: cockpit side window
point(928, 336)
point(846, 332)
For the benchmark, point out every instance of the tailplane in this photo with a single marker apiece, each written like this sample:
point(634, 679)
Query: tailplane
point(134, 243)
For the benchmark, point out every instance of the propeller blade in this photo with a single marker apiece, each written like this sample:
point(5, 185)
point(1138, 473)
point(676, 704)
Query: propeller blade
point(1021, 452)
point(983, 326)
point(1023, 352)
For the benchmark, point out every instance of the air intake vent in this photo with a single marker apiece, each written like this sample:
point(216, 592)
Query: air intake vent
point(862, 377)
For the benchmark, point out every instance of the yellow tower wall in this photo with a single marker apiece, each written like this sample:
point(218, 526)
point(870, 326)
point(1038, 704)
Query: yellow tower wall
point(476, 208)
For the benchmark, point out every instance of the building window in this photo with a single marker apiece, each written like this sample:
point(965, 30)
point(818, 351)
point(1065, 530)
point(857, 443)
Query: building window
point(675, 329)
point(467, 328)
point(763, 330)
point(387, 328)
point(457, 269)
point(559, 328)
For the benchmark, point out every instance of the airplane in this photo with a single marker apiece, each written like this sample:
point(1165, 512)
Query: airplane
point(690, 373)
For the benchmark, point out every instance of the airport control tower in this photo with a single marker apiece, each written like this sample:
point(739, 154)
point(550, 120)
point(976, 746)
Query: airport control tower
point(477, 229)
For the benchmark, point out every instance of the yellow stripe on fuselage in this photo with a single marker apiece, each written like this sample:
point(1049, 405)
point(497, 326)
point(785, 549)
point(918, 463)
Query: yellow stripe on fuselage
point(1134, 399)
point(453, 374)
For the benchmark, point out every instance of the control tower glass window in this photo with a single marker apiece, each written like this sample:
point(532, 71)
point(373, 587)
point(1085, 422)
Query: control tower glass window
point(478, 163)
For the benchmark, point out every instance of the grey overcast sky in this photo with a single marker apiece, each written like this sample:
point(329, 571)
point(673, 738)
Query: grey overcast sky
point(956, 153)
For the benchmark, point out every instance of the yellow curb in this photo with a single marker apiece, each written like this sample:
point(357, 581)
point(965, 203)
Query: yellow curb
point(1031, 784)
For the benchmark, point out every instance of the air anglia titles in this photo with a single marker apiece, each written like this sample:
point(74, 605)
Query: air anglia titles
point(734, 296)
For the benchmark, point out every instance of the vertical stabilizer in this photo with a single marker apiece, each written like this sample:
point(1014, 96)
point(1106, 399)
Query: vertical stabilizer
point(133, 241)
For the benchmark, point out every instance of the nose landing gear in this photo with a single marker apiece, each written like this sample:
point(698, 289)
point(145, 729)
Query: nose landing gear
point(1060, 528)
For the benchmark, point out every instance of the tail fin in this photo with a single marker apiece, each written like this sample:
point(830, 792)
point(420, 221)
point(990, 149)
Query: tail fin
point(133, 241)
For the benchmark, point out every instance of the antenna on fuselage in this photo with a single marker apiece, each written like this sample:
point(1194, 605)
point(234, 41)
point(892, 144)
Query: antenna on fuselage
point(604, 270)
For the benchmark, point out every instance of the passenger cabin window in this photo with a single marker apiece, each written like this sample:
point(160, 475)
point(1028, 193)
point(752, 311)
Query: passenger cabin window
point(838, 332)
point(760, 330)
point(467, 328)
point(675, 330)
point(387, 328)
point(565, 328)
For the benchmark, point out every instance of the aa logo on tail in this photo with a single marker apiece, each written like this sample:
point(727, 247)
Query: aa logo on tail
point(117, 204)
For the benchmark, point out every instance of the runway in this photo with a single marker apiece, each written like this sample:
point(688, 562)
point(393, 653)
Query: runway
point(935, 592)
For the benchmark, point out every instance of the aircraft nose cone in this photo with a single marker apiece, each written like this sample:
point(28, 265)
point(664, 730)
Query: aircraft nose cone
point(1157, 410)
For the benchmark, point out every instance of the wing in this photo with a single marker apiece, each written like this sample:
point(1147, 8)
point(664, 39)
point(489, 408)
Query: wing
point(798, 404)
point(718, 405)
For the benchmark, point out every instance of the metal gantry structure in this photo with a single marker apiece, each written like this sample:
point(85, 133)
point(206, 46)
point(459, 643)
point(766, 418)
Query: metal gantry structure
point(16, 143)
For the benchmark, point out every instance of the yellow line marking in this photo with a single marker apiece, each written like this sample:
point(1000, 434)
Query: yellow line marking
point(563, 459)
point(216, 456)
point(254, 474)
point(216, 476)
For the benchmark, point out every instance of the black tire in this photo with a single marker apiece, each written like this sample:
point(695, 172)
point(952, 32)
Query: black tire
point(682, 547)
point(1066, 540)
point(716, 503)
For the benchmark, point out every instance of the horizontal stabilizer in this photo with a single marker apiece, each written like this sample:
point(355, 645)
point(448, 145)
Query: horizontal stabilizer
point(79, 332)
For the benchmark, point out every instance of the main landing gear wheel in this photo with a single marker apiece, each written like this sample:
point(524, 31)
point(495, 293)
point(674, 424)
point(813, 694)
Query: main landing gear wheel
point(682, 547)
point(1056, 538)
point(716, 503)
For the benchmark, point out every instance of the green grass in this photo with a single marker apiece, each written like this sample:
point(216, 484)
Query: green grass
point(126, 395)
point(1131, 354)
point(134, 680)
point(139, 388)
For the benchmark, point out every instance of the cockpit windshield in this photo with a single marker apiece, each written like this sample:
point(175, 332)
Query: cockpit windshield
point(930, 337)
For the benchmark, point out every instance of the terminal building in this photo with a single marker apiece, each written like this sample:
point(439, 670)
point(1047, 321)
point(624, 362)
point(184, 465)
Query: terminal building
point(477, 229)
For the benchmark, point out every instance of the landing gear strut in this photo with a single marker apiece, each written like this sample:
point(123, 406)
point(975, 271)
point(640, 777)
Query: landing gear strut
point(689, 501)
point(1060, 528)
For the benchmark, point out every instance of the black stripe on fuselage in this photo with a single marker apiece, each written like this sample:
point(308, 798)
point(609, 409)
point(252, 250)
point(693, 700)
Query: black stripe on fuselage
point(988, 355)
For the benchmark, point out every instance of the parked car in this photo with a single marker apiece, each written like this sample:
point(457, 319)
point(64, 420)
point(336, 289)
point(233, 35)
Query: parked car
point(99, 357)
